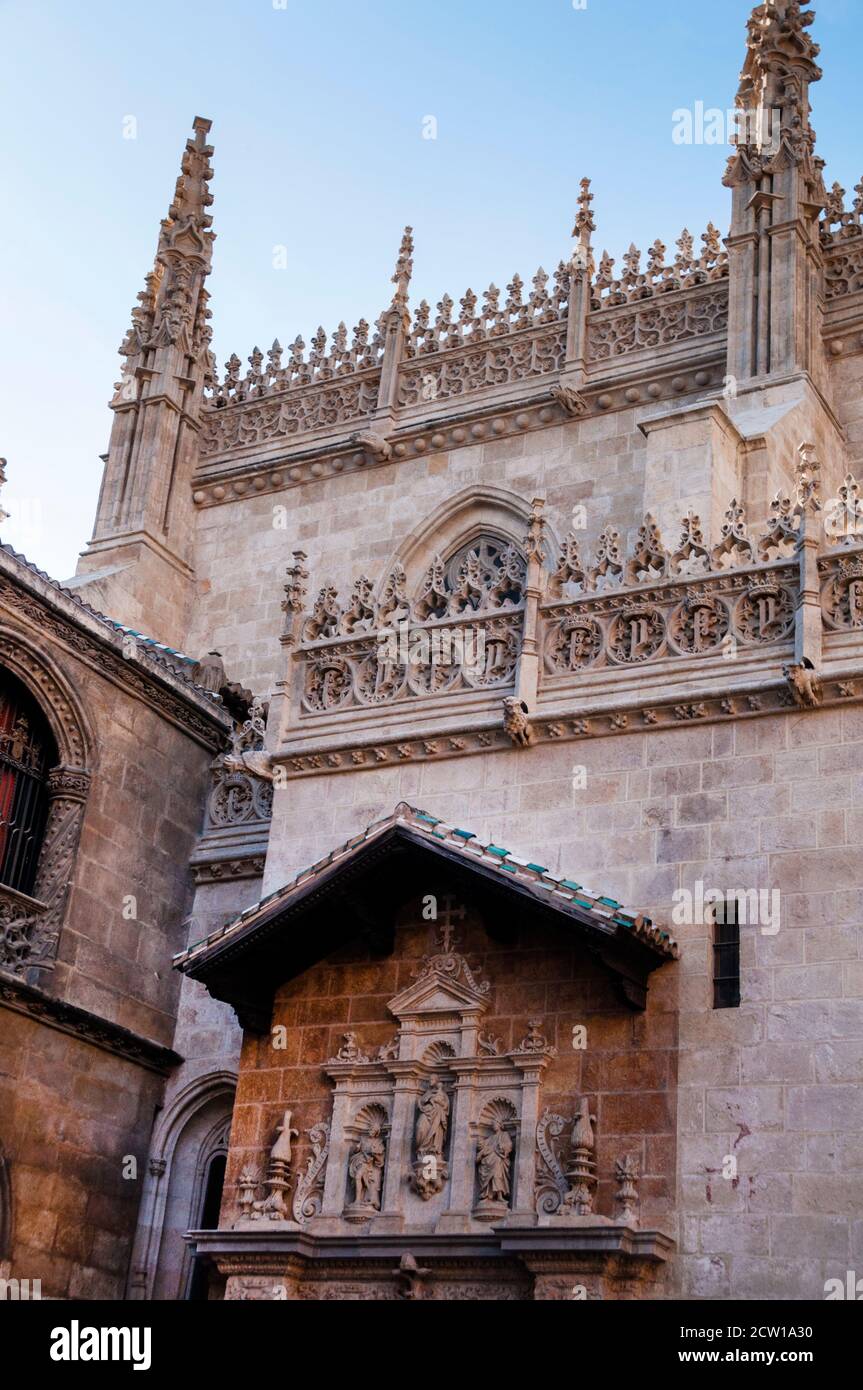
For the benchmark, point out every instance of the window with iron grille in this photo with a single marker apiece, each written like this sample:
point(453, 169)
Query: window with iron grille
point(726, 955)
point(27, 754)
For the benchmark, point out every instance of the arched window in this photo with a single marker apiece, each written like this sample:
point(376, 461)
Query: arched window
point(726, 955)
point(27, 754)
point(203, 1278)
point(487, 572)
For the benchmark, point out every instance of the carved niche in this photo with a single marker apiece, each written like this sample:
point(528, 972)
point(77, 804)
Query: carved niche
point(437, 1130)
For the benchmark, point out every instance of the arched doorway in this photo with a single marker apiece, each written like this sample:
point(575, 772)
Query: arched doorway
point(183, 1192)
point(204, 1283)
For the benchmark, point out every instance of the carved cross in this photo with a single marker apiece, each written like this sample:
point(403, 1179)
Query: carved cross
point(446, 929)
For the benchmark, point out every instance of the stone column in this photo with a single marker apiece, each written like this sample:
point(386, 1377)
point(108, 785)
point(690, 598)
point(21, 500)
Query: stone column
point(334, 1183)
point(527, 673)
point(532, 1066)
point(808, 622)
point(457, 1217)
point(407, 1088)
point(67, 791)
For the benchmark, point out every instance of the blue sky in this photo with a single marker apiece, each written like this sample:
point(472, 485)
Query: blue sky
point(318, 109)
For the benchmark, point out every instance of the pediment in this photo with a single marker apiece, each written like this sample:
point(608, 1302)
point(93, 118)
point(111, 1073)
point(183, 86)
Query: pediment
point(438, 993)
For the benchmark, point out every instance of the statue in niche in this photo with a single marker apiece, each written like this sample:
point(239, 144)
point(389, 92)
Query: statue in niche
point(433, 1120)
point(366, 1168)
point(494, 1158)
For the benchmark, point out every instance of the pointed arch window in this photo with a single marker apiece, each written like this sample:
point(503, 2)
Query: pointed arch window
point(27, 754)
point(486, 567)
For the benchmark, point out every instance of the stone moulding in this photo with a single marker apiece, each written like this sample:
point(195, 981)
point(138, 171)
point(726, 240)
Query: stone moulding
point(752, 700)
point(79, 1023)
point(230, 477)
point(528, 1264)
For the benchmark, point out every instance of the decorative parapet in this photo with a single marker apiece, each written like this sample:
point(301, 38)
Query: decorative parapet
point(488, 345)
point(630, 638)
point(842, 243)
point(503, 340)
point(462, 631)
point(696, 602)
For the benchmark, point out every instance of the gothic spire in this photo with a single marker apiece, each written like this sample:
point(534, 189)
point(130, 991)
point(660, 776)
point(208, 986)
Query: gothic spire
point(157, 408)
point(172, 307)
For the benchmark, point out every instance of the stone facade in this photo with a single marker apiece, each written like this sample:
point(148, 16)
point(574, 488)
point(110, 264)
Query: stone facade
point(625, 498)
point(88, 994)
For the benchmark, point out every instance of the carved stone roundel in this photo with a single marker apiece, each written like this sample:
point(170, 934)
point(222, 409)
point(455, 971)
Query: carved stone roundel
point(636, 635)
point(765, 613)
point(575, 644)
point(699, 625)
point(232, 801)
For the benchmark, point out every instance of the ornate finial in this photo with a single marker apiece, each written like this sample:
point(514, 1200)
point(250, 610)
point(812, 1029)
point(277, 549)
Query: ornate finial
point(295, 589)
point(404, 271)
point(4, 515)
point(780, 62)
point(584, 227)
point(808, 475)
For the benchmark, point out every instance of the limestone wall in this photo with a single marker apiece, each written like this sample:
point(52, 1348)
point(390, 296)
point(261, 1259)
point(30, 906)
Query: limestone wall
point(772, 802)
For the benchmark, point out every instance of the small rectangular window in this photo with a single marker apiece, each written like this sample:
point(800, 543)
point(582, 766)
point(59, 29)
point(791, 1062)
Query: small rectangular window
point(726, 956)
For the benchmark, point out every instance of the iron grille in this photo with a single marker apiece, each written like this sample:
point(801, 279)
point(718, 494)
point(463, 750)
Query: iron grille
point(26, 757)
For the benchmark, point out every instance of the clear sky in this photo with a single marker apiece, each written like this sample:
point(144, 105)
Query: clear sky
point(319, 111)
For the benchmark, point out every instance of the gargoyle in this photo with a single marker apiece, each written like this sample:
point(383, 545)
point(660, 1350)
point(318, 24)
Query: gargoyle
point(380, 449)
point(259, 763)
point(516, 721)
point(572, 401)
point(805, 684)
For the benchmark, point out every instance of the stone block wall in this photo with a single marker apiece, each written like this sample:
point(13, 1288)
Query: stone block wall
point(766, 803)
point(71, 1117)
point(141, 821)
point(628, 1070)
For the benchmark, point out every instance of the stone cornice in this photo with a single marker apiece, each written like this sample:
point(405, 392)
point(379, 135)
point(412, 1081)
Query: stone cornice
point(755, 700)
point(230, 477)
point(37, 601)
point(86, 1027)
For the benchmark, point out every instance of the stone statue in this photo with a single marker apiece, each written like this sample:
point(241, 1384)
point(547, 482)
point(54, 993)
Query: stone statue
point(494, 1157)
point(433, 1120)
point(366, 1168)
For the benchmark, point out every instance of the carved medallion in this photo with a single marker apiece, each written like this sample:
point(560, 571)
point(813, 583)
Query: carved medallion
point(328, 684)
point(765, 613)
point(574, 644)
point(699, 624)
point(636, 635)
